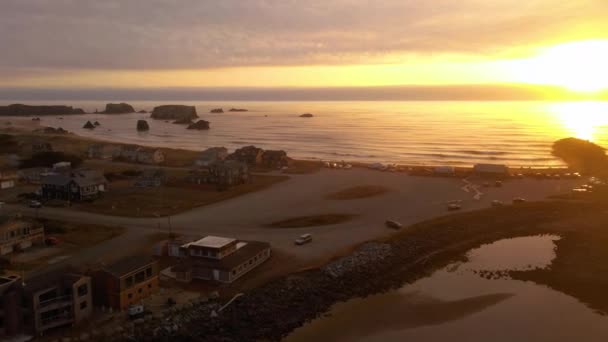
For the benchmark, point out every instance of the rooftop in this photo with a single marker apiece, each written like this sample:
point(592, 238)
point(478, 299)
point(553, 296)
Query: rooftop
point(125, 266)
point(247, 250)
point(211, 242)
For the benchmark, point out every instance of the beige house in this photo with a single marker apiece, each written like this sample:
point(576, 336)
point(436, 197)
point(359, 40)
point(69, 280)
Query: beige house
point(19, 235)
point(219, 259)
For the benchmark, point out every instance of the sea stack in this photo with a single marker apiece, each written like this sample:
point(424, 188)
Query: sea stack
point(174, 112)
point(200, 125)
point(118, 108)
point(238, 110)
point(88, 125)
point(142, 126)
point(216, 110)
point(306, 115)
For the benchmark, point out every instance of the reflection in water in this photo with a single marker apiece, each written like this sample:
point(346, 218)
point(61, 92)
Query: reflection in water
point(582, 119)
point(456, 304)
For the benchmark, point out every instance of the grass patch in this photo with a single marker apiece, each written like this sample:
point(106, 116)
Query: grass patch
point(80, 234)
point(125, 200)
point(358, 192)
point(312, 221)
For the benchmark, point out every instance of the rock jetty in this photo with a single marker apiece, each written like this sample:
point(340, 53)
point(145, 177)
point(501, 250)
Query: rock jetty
point(118, 108)
point(200, 125)
point(306, 115)
point(26, 110)
point(142, 126)
point(174, 112)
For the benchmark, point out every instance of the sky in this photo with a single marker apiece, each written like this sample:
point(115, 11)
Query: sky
point(235, 44)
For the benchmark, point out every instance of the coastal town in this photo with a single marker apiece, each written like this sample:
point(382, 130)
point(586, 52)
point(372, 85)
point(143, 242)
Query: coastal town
point(102, 241)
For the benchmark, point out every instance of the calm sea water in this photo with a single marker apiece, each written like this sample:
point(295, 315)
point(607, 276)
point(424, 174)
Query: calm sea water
point(431, 133)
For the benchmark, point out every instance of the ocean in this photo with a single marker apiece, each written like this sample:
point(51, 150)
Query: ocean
point(519, 134)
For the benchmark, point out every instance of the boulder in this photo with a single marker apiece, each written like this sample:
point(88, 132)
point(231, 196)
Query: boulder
point(200, 125)
point(89, 125)
point(96, 123)
point(143, 111)
point(25, 110)
point(306, 115)
point(142, 125)
point(238, 110)
point(174, 112)
point(216, 110)
point(118, 108)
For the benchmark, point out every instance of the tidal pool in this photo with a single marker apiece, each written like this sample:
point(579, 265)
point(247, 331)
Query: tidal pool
point(467, 301)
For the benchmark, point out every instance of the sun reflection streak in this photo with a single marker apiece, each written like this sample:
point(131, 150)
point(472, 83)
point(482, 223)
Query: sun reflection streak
point(582, 119)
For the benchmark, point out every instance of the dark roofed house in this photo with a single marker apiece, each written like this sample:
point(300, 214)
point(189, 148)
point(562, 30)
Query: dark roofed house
point(224, 174)
point(211, 155)
point(250, 155)
point(150, 178)
point(126, 282)
point(39, 147)
point(58, 298)
point(219, 259)
point(77, 185)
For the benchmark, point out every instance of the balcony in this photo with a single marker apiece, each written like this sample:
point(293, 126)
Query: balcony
point(56, 321)
point(55, 303)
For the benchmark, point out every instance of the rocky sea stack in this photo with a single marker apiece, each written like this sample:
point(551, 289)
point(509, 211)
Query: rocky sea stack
point(142, 126)
point(25, 110)
point(200, 125)
point(306, 115)
point(238, 110)
point(89, 125)
point(174, 112)
point(118, 108)
point(216, 110)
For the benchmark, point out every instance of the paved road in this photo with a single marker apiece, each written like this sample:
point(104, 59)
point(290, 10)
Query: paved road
point(411, 199)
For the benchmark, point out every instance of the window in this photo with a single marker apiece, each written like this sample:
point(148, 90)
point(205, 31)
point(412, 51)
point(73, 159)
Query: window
point(130, 295)
point(83, 305)
point(129, 282)
point(139, 290)
point(149, 272)
point(149, 286)
point(140, 276)
point(83, 290)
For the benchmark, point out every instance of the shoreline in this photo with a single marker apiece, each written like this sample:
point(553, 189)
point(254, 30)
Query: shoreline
point(401, 167)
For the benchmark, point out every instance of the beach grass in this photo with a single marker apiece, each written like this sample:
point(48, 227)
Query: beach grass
point(358, 192)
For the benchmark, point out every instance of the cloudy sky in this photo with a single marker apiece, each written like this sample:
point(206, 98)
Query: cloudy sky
point(274, 43)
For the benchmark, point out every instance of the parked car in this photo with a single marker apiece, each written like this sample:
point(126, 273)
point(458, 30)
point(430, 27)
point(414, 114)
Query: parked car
point(393, 224)
point(303, 239)
point(35, 204)
point(51, 241)
point(518, 200)
point(454, 206)
point(498, 184)
point(497, 203)
point(136, 311)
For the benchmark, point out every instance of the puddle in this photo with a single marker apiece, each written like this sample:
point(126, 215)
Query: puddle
point(458, 303)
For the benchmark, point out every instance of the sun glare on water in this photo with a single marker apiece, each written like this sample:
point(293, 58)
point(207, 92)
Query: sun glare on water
point(580, 66)
point(583, 120)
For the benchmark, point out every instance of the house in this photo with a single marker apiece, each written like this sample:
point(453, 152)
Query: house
point(137, 154)
point(19, 235)
point(56, 299)
point(100, 151)
point(33, 175)
point(62, 167)
point(249, 155)
point(126, 282)
point(77, 185)
point(150, 178)
point(11, 293)
point(275, 159)
point(219, 259)
point(8, 179)
point(491, 170)
point(224, 174)
point(39, 147)
point(211, 155)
